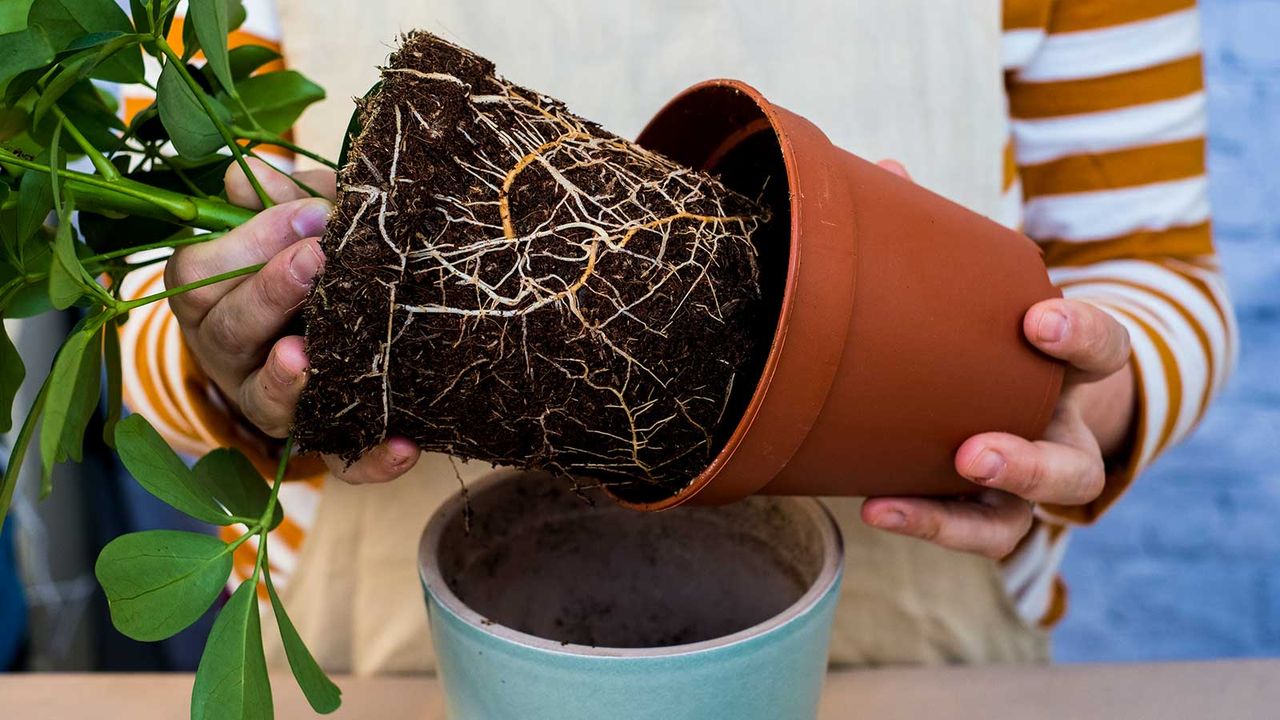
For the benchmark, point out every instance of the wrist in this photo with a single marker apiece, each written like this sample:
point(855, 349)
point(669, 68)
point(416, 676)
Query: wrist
point(1110, 410)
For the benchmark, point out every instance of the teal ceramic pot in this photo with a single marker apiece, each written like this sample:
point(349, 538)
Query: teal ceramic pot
point(546, 604)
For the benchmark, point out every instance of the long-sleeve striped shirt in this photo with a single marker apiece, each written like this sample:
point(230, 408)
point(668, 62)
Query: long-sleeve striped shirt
point(1104, 168)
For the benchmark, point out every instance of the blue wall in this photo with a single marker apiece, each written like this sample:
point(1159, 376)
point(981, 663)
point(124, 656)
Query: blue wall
point(1187, 565)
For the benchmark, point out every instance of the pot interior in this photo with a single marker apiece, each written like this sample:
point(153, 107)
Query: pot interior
point(724, 132)
point(574, 569)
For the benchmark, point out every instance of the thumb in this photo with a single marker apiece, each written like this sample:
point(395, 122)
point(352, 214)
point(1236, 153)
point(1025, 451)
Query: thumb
point(1082, 334)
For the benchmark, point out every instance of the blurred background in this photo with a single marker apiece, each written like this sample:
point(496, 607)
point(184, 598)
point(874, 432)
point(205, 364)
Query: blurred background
point(1187, 565)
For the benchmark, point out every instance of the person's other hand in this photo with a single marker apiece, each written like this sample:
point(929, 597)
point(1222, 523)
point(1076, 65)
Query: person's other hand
point(234, 328)
point(1066, 467)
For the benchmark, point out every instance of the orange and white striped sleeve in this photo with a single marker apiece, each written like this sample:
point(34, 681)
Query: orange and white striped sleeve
point(1107, 110)
point(162, 380)
point(1105, 169)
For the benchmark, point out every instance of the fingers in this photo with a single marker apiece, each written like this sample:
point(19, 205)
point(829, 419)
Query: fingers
point(895, 167)
point(269, 396)
point(257, 241)
point(991, 524)
point(384, 463)
point(323, 181)
point(1063, 473)
point(1080, 333)
point(277, 185)
point(245, 320)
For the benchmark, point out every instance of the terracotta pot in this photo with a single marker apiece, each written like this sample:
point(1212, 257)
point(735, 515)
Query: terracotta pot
point(545, 607)
point(898, 326)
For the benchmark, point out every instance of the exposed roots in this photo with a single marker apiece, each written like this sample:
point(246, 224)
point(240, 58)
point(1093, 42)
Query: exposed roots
point(556, 296)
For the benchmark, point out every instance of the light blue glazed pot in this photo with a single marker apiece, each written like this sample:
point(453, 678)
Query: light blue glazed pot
point(552, 608)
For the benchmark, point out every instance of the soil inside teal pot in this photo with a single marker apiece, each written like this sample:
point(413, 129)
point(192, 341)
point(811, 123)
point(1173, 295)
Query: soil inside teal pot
point(553, 566)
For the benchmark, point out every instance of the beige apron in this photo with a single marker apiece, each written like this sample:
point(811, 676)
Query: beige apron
point(917, 80)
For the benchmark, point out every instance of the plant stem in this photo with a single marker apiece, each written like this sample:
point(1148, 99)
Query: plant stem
point(267, 138)
point(100, 161)
point(18, 453)
point(134, 198)
point(293, 178)
point(265, 522)
point(275, 487)
point(223, 130)
point(155, 297)
point(173, 243)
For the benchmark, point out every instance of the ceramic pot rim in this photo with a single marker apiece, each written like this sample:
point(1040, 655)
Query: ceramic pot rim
point(433, 581)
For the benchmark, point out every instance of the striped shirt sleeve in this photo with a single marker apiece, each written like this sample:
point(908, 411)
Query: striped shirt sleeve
point(1107, 108)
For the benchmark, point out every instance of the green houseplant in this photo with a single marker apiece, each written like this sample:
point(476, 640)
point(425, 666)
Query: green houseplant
point(154, 183)
point(664, 236)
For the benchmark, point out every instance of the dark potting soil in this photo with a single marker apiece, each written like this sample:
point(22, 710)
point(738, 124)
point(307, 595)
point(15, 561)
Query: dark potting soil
point(627, 580)
point(511, 283)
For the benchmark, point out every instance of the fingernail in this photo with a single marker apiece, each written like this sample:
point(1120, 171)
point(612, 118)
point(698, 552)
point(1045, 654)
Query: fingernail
point(289, 365)
point(1052, 327)
point(306, 263)
point(891, 520)
point(310, 219)
point(987, 466)
point(397, 452)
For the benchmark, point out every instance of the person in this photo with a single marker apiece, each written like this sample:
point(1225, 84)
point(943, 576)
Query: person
point(1103, 132)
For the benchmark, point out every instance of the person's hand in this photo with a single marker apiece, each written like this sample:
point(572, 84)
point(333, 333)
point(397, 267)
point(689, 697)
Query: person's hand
point(1066, 467)
point(234, 328)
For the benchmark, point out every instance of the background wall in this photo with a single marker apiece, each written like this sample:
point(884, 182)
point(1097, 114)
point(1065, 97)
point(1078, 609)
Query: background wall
point(1188, 563)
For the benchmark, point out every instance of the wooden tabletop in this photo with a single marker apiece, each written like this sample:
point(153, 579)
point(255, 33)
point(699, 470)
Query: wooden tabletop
point(1218, 690)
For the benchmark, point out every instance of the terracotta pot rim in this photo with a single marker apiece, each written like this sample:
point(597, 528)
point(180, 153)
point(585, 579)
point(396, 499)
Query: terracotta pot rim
point(772, 122)
point(429, 574)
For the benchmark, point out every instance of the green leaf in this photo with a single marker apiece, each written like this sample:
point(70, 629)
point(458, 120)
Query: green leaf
point(12, 373)
point(70, 74)
point(33, 299)
point(245, 59)
point(90, 111)
point(66, 275)
point(140, 11)
point(36, 254)
point(35, 202)
point(211, 27)
point(23, 51)
point(20, 89)
point(160, 471)
point(13, 122)
point(236, 14)
point(13, 15)
point(74, 383)
point(193, 133)
point(190, 42)
point(68, 281)
point(232, 681)
point(92, 40)
point(323, 695)
point(160, 581)
point(236, 484)
point(277, 99)
point(66, 21)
